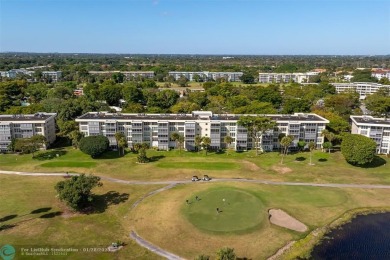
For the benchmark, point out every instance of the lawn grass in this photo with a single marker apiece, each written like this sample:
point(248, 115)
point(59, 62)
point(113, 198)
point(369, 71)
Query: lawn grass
point(163, 216)
point(199, 165)
point(35, 218)
point(238, 211)
point(176, 165)
point(66, 164)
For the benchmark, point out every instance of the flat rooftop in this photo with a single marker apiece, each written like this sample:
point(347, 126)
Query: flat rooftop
point(32, 117)
point(189, 117)
point(371, 120)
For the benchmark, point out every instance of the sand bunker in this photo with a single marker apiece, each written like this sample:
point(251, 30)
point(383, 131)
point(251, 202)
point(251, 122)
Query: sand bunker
point(280, 218)
point(281, 169)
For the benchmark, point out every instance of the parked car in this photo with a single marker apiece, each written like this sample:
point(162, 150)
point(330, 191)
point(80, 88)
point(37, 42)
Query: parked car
point(195, 178)
point(206, 178)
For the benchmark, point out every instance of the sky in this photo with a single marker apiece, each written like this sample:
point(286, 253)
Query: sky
point(247, 27)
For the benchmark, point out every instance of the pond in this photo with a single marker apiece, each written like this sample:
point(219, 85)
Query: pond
point(365, 237)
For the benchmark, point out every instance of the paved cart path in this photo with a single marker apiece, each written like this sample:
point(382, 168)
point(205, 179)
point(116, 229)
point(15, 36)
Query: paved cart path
point(172, 182)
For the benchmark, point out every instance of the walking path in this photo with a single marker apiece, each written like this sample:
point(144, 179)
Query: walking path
point(171, 184)
point(331, 185)
point(152, 247)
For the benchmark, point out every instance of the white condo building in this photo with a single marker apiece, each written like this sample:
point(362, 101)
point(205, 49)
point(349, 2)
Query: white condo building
point(378, 129)
point(25, 126)
point(128, 74)
point(156, 129)
point(381, 73)
point(286, 77)
point(363, 88)
point(54, 76)
point(206, 75)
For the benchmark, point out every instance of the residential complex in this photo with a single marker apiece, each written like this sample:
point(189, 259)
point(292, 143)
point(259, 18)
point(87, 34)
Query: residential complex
point(207, 75)
point(25, 126)
point(156, 129)
point(363, 88)
point(286, 77)
point(53, 76)
point(378, 129)
point(381, 73)
point(128, 74)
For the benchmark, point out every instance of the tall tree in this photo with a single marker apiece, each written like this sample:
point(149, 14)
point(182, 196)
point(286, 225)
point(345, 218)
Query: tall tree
point(198, 142)
point(120, 142)
point(228, 140)
point(257, 126)
point(312, 147)
point(206, 142)
point(285, 143)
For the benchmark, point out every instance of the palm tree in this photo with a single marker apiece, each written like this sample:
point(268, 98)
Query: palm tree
point(120, 142)
point(228, 141)
point(179, 138)
point(312, 146)
point(206, 142)
point(329, 136)
point(285, 143)
point(198, 142)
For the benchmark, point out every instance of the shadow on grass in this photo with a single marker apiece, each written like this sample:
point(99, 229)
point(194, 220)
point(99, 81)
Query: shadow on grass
point(48, 155)
point(156, 158)
point(41, 210)
point(5, 227)
point(109, 155)
point(322, 160)
point(9, 217)
point(102, 202)
point(377, 162)
point(51, 214)
point(300, 159)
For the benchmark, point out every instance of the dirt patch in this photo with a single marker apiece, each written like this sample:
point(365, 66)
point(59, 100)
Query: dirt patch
point(280, 218)
point(251, 166)
point(281, 169)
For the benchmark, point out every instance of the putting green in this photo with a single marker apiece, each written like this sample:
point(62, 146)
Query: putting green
point(239, 211)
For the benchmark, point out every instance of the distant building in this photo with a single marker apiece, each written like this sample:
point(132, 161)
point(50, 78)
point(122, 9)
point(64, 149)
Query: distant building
point(156, 129)
point(53, 76)
point(363, 88)
point(128, 74)
point(378, 129)
point(25, 126)
point(286, 77)
point(381, 73)
point(207, 75)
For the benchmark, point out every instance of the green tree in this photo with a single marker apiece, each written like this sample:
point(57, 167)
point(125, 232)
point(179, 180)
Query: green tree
point(77, 191)
point(206, 142)
point(301, 145)
point(198, 142)
point(118, 77)
point(75, 137)
point(247, 78)
point(312, 147)
point(285, 143)
point(94, 145)
point(142, 158)
point(327, 145)
point(379, 103)
point(179, 139)
point(226, 253)
point(184, 107)
point(358, 149)
point(228, 140)
point(256, 126)
point(202, 257)
point(121, 142)
point(30, 145)
point(182, 81)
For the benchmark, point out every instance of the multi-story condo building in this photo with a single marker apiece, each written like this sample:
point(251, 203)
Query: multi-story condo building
point(286, 77)
point(25, 126)
point(378, 129)
point(128, 74)
point(54, 76)
point(207, 75)
point(156, 129)
point(381, 73)
point(363, 88)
